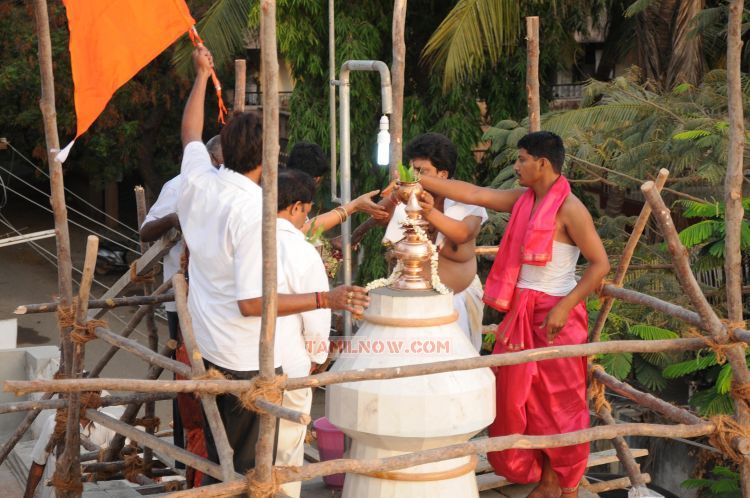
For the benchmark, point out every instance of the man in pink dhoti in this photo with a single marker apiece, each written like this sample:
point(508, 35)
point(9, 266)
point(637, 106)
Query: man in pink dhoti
point(533, 281)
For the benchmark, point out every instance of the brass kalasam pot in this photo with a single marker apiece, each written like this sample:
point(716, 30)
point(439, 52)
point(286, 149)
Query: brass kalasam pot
point(405, 190)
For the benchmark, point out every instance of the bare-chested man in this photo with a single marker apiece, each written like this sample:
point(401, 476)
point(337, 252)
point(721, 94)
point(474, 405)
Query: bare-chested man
point(456, 226)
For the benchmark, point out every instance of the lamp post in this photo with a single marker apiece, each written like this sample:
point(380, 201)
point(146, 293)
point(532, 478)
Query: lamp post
point(345, 154)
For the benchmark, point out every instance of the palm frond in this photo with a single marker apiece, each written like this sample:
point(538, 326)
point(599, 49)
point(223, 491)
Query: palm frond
point(699, 233)
point(651, 333)
point(639, 6)
point(223, 29)
point(690, 366)
point(724, 380)
point(617, 364)
point(649, 375)
point(471, 30)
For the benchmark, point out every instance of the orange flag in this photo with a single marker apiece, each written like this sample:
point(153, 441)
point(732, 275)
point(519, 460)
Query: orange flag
point(110, 41)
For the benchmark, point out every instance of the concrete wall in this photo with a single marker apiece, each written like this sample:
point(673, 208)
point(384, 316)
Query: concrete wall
point(25, 363)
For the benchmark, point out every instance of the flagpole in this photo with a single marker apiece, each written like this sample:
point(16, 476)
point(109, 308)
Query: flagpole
point(68, 466)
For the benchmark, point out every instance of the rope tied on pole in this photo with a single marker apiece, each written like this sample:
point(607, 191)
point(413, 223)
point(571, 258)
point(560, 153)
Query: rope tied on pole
point(140, 279)
point(258, 489)
point(148, 423)
point(87, 399)
point(597, 390)
point(133, 466)
point(269, 389)
point(718, 348)
point(727, 429)
point(81, 333)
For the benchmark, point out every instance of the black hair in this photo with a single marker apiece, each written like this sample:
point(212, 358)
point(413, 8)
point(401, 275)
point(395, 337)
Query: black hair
point(547, 145)
point(294, 186)
point(242, 142)
point(309, 158)
point(437, 148)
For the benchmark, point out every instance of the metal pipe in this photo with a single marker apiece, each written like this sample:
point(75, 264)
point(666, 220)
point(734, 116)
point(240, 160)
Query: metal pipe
point(346, 174)
point(332, 97)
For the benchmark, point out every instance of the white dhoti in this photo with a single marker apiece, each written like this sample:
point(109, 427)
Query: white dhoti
point(469, 305)
point(290, 449)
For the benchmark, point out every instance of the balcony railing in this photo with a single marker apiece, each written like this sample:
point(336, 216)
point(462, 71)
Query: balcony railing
point(567, 91)
point(256, 99)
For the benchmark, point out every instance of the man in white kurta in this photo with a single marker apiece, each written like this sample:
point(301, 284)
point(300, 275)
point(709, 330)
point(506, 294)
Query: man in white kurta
point(98, 435)
point(304, 336)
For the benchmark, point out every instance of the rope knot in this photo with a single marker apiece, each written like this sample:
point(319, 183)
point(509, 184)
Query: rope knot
point(258, 489)
point(727, 429)
point(146, 278)
point(148, 423)
point(597, 391)
point(718, 348)
point(269, 389)
point(85, 332)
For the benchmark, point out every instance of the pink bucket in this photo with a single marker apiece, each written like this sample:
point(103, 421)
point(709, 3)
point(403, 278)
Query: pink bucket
point(331, 447)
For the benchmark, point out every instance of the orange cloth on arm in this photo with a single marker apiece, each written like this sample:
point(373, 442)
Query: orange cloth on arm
point(111, 40)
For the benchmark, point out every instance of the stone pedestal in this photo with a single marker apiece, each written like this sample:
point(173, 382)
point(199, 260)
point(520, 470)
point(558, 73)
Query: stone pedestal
point(397, 416)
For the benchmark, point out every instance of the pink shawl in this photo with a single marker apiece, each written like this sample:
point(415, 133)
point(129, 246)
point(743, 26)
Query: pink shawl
point(527, 241)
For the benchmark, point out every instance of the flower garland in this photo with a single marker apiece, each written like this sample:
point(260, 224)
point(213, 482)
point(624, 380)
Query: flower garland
point(434, 256)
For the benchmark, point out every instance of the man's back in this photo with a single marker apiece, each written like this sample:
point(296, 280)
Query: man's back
point(220, 215)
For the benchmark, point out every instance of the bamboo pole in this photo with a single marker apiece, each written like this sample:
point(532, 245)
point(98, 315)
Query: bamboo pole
point(621, 483)
point(131, 412)
point(632, 469)
point(240, 74)
point(398, 70)
point(263, 471)
point(154, 298)
point(635, 297)
point(532, 73)
point(21, 387)
point(153, 332)
point(150, 441)
point(711, 322)
point(129, 328)
point(142, 352)
point(500, 443)
point(627, 255)
point(210, 409)
point(68, 466)
point(672, 412)
point(734, 212)
point(145, 263)
point(53, 404)
point(733, 179)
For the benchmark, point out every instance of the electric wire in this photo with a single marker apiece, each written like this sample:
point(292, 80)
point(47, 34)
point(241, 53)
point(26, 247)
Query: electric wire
point(49, 210)
point(51, 258)
point(70, 191)
point(37, 189)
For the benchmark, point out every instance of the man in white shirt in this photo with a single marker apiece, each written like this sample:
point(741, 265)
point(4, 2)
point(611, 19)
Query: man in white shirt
point(160, 219)
point(43, 458)
point(220, 216)
point(456, 226)
point(304, 335)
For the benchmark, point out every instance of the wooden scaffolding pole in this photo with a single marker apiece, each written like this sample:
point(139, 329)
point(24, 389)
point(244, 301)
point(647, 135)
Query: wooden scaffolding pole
point(263, 472)
point(211, 411)
point(627, 256)
point(240, 75)
point(154, 298)
point(153, 332)
point(532, 73)
point(398, 71)
point(68, 469)
point(306, 472)
point(711, 322)
point(734, 214)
